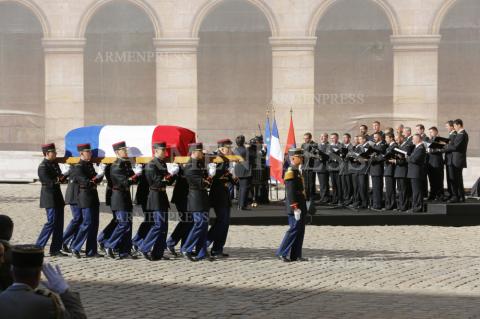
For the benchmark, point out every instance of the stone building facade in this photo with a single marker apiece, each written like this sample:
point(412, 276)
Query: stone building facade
point(217, 66)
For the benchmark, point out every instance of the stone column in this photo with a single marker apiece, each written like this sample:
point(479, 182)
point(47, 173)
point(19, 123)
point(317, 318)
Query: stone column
point(293, 84)
point(177, 102)
point(64, 89)
point(415, 85)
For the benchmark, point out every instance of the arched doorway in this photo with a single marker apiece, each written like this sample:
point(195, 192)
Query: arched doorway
point(120, 66)
point(234, 71)
point(353, 67)
point(459, 69)
point(22, 79)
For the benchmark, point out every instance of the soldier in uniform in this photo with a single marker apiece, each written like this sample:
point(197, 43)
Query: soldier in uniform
point(108, 230)
point(291, 247)
point(71, 199)
point(321, 167)
point(243, 172)
point(185, 224)
point(122, 177)
point(389, 174)
point(51, 199)
point(24, 300)
point(308, 173)
point(158, 178)
point(376, 171)
point(198, 204)
point(416, 168)
point(458, 149)
point(435, 168)
point(88, 201)
point(220, 200)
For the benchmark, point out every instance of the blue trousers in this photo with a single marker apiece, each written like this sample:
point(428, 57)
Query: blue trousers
point(197, 238)
point(107, 231)
point(121, 238)
point(155, 241)
point(53, 227)
point(88, 231)
point(293, 241)
point(181, 231)
point(219, 231)
point(74, 225)
point(143, 229)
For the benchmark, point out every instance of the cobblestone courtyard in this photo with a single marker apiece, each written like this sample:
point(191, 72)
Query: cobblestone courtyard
point(353, 272)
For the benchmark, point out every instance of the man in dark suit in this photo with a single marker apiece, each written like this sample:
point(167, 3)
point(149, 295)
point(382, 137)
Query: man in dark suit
point(400, 174)
point(345, 172)
point(309, 175)
point(51, 199)
point(376, 171)
point(361, 171)
point(458, 148)
point(416, 168)
point(448, 158)
point(243, 171)
point(123, 176)
point(389, 174)
point(87, 179)
point(420, 128)
point(321, 167)
point(435, 168)
point(333, 168)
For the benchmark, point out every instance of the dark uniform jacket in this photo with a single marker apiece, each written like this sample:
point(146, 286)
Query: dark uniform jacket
point(389, 168)
point(71, 193)
point(334, 160)
point(321, 164)
point(108, 191)
point(435, 158)
point(401, 165)
point(158, 178)
point(20, 301)
point(449, 155)
point(295, 192)
point(180, 192)
point(219, 192)
point(196, 175)
point(83, 174)
point(345, 163)
point(50, 176)
point(309, 161)
point(416, 162)
point(141, 194)
point(121, 174)
point(458, 148)
point(243, 169)
point(376, 167)
point(410, 144)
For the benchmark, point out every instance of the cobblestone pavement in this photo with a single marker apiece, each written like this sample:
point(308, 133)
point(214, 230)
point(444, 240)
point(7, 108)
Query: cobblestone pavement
point(353, 272)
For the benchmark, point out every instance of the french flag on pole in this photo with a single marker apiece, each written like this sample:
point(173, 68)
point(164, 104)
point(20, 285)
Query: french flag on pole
point(276, 155)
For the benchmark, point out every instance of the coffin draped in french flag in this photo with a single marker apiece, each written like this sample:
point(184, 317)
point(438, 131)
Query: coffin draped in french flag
point(139, 139)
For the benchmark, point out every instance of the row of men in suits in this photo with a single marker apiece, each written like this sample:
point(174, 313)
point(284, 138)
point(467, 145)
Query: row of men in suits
point(402, 164)
point(197, 189)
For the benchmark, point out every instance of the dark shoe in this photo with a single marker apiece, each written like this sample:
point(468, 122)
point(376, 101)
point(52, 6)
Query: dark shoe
point(453, 200)
point(172, 251)
point(220, 255)
point(147, 256)
point(76, 254)
point(189, 256)
point(65, 249)
point(58, 254)
point(159, 258)
point(127, 256)
point(96, 255)
point(109, 253)
point(300, 259)
point(376, 209)
point(284, 259)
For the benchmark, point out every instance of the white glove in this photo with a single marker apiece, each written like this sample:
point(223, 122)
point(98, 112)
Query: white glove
point(212, 169)
point(65, 169)
point(137, 169)
point(55, 281)
point(297, 213)
point(101, 170)
point(173, 168)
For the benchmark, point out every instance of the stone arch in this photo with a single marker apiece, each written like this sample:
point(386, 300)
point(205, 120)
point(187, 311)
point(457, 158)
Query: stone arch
point(211, 5)
point(326, 5)
point(96, 5)
point(37, 12)
point(441, 14)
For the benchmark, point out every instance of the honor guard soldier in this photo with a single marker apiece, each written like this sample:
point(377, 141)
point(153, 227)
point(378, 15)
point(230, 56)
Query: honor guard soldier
point(24, 300)
point(87, 179)
point(416, 168)
point(376, 170)
point(158, 177)
point(309, 175)
point(122, 177)
point(458, 149)
point(71, 198)
point(389, 173)
point(435, 165)
point(198, 203)
point(51, 199)
point(220, 199)
point(180, 198)
point(296, 209)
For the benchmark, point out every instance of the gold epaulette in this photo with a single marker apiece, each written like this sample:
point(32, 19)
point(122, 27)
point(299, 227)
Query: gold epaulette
point(289, 174)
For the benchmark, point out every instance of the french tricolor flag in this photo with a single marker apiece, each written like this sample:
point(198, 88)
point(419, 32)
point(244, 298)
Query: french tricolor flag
point(276, 155)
